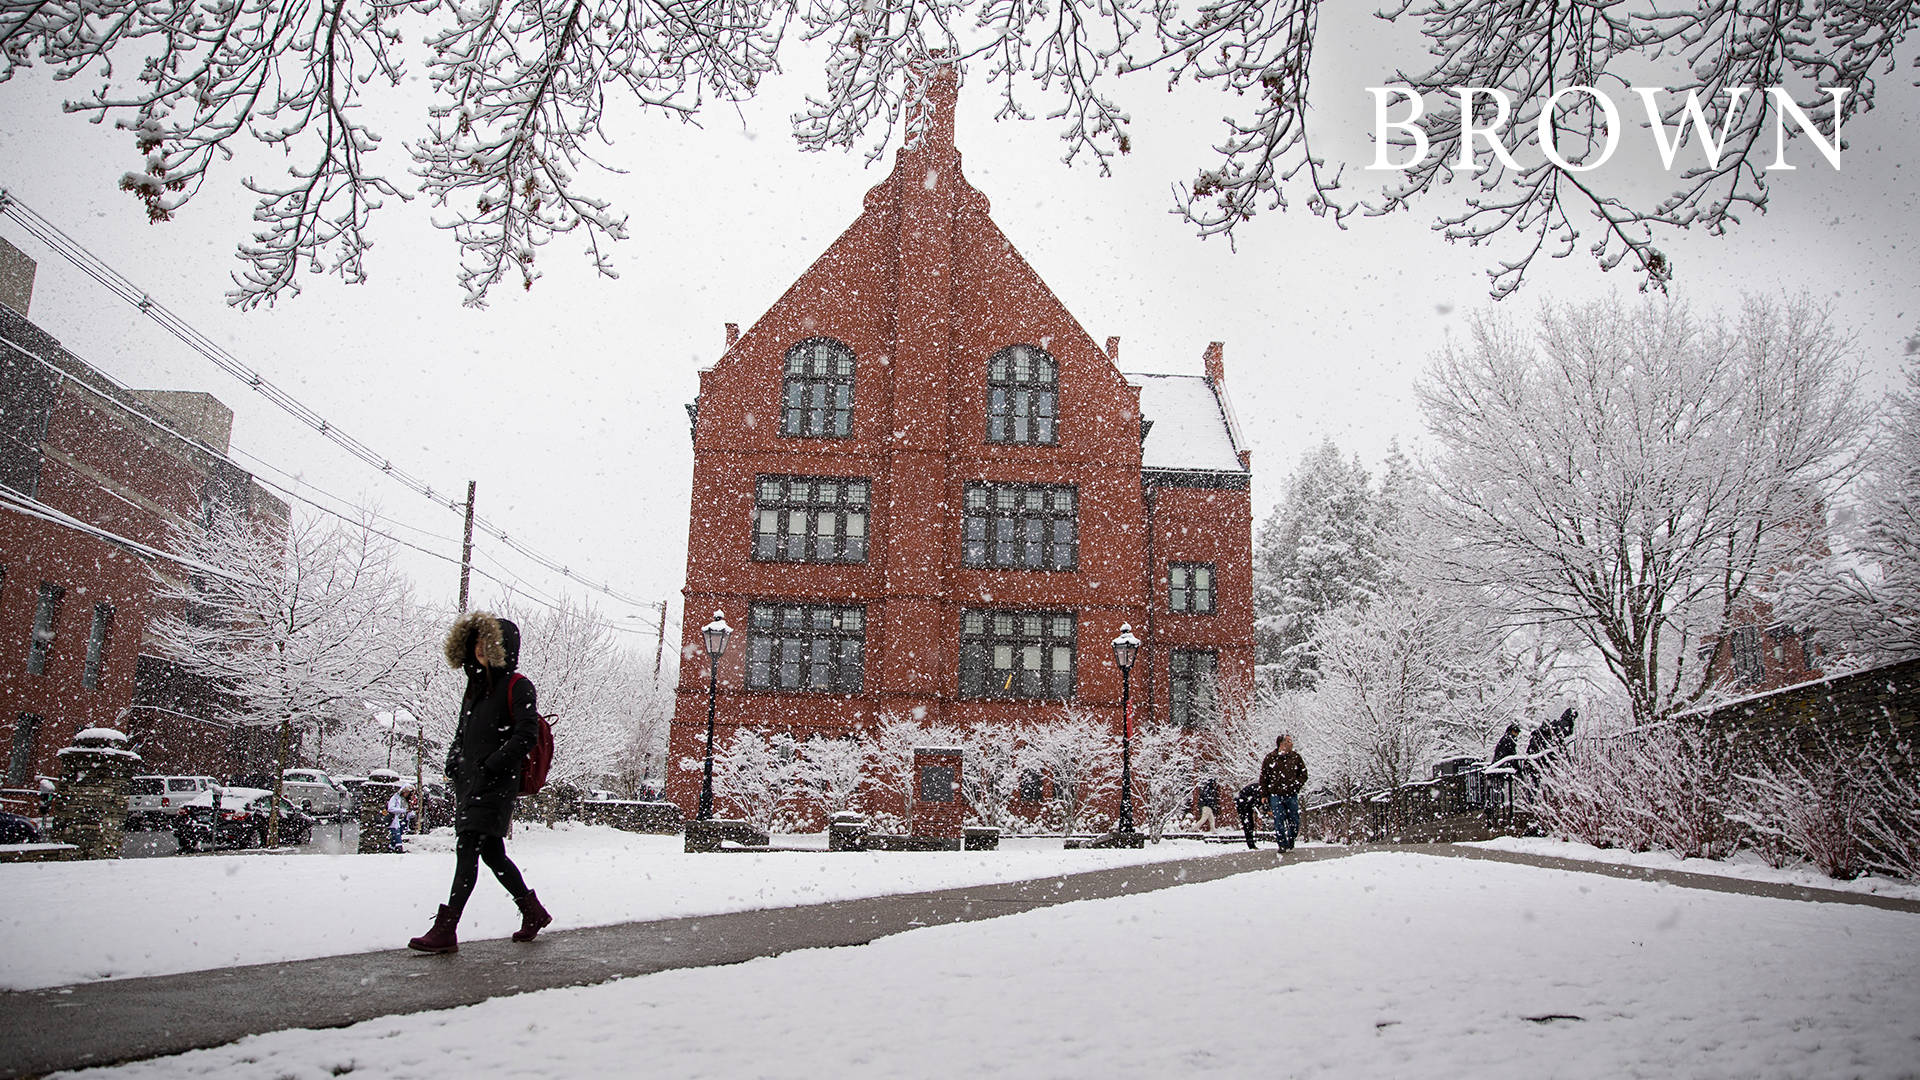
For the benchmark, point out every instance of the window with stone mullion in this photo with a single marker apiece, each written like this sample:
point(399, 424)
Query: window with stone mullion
point(806, 647)
point(1021, 527)
point(811, 519)
point(817, 396)
point(1191, 700)
point(1017, 654)
point(1023, 396)
point(1190, 588)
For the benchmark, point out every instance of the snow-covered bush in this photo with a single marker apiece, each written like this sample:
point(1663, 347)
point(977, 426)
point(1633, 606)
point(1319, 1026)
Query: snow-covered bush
point(832, 771)
point(1167, 766)
point(755, 775)
point(989, 772)
point(1664, 787)
point(1806, 805)
point(1080, 754)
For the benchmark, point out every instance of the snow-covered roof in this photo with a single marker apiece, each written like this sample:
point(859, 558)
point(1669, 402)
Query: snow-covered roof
point(1193, 426)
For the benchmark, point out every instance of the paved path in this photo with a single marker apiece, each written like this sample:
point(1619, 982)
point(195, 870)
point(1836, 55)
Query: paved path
point(101, 1023)
point(117, 1020)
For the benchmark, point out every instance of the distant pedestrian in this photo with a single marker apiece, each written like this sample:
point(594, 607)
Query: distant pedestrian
point(399, 814)
point(1209, 799)
point(1282, 775)
point(1247, 804)
point(497, 728)
point(1508, 745)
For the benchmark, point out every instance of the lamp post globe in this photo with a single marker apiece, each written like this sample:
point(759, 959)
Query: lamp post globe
point(1125, 648)
point(715, 635)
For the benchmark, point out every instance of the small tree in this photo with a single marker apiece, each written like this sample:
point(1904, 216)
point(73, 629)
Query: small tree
point(1080, 755)
point(833, 769)
point(293, 627)
point(1167, 766)
point(989, 773)
point(756, 774)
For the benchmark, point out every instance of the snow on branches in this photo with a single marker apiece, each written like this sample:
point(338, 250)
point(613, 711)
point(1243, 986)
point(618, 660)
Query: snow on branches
point(1630, 473)
point(520, 95)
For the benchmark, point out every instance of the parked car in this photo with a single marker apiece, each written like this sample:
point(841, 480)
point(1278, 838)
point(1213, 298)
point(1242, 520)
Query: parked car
point(240, 822)
point(152, 801)
point(15, 829)
point(315, 792)
point(384, 776)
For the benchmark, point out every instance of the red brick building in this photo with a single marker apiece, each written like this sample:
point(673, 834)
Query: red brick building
point(921, 488)
point(88, 470)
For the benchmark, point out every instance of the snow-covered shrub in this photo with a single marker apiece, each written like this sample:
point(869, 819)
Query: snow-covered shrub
point(1167, 766)
point(1809, 803)
point(831, 771)
point(1080, 755)
point(1845, 807)
point(755, 774)
point(989, 772)
point(1889, 774)
point(887, 753)
point(1664, 787)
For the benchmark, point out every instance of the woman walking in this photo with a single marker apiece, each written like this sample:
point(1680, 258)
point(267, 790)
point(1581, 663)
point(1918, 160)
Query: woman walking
point(498, 726)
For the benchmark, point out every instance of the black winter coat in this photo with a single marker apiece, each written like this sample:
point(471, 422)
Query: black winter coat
point(499, 722)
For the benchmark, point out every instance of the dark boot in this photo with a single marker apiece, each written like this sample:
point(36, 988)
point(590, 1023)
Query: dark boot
point(441, 938)
point(532, 917)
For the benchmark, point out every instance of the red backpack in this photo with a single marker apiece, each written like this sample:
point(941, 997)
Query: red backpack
point(533, 775)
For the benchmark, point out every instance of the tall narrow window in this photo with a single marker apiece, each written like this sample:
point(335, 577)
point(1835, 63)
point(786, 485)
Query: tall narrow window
point(97, 646)
point(26, 733)
point(1017, 654)
point(806, 647)
point(817, 399)
point(1191, 687)
point(1021, 526)
point(45, 617)
point(1190, 588)
point(1023, 396)
point(810, 519)
point(1749, 668)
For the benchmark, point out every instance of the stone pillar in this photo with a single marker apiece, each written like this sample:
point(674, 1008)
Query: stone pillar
point(939, 810)
point(90, 803)
point(373, 816)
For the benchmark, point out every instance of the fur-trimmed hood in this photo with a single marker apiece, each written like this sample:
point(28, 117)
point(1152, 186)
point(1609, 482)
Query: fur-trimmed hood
point(499, 640)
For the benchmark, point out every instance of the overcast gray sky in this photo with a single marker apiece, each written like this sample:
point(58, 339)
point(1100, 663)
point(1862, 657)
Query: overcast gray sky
point(565, 402)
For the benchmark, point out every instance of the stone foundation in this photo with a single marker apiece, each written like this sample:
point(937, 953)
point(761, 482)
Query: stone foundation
point(90, 803)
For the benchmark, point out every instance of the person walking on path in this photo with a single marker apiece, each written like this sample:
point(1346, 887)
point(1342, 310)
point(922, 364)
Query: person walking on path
point(497, 729)
point(399, 813)
point(1282, 774)
point(1246, 804)
point(1209, 804)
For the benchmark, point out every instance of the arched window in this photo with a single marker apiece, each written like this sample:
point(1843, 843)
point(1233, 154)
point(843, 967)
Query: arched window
point(817, 399)
point(1023, 394)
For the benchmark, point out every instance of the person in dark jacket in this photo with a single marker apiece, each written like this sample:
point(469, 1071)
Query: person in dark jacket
point(1209, 799)
point(1246, 804)
point(1508, 745)
point(498, 726)
point(1282, 774)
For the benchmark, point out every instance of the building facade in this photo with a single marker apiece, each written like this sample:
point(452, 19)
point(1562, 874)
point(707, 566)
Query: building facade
point(90, 473)
point(920, 488)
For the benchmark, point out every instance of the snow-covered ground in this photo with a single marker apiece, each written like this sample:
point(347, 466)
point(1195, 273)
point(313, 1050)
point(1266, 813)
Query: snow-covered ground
point(1745, 865)
point(1383, 964)
point(81, 921)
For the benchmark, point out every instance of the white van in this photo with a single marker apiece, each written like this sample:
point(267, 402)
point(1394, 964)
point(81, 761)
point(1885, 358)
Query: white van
point(315, 791)
point(152, 801)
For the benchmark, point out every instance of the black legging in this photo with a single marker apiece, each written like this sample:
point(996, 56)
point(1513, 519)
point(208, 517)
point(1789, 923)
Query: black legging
point(467, 855)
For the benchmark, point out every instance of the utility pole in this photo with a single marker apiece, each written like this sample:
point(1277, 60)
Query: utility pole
point(660, 642)
point(466, 548)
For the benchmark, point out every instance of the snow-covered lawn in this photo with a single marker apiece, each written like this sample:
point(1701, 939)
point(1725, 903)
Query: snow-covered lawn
point(1384, 964)
point(81, 921)
point(1745, 865)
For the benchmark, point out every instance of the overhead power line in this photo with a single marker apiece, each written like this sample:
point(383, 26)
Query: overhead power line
point(71, 250)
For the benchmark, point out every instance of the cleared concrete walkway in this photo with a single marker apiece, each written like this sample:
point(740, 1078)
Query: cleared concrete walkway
point(118, 1020)
point(126, 1019)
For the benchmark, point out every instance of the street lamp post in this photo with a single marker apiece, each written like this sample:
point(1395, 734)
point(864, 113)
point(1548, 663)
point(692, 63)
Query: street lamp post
point(1125, 647)
point(715, 633)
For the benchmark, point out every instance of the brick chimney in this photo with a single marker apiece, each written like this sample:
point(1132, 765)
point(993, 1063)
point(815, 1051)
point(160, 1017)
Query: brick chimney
point(1216, 362)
